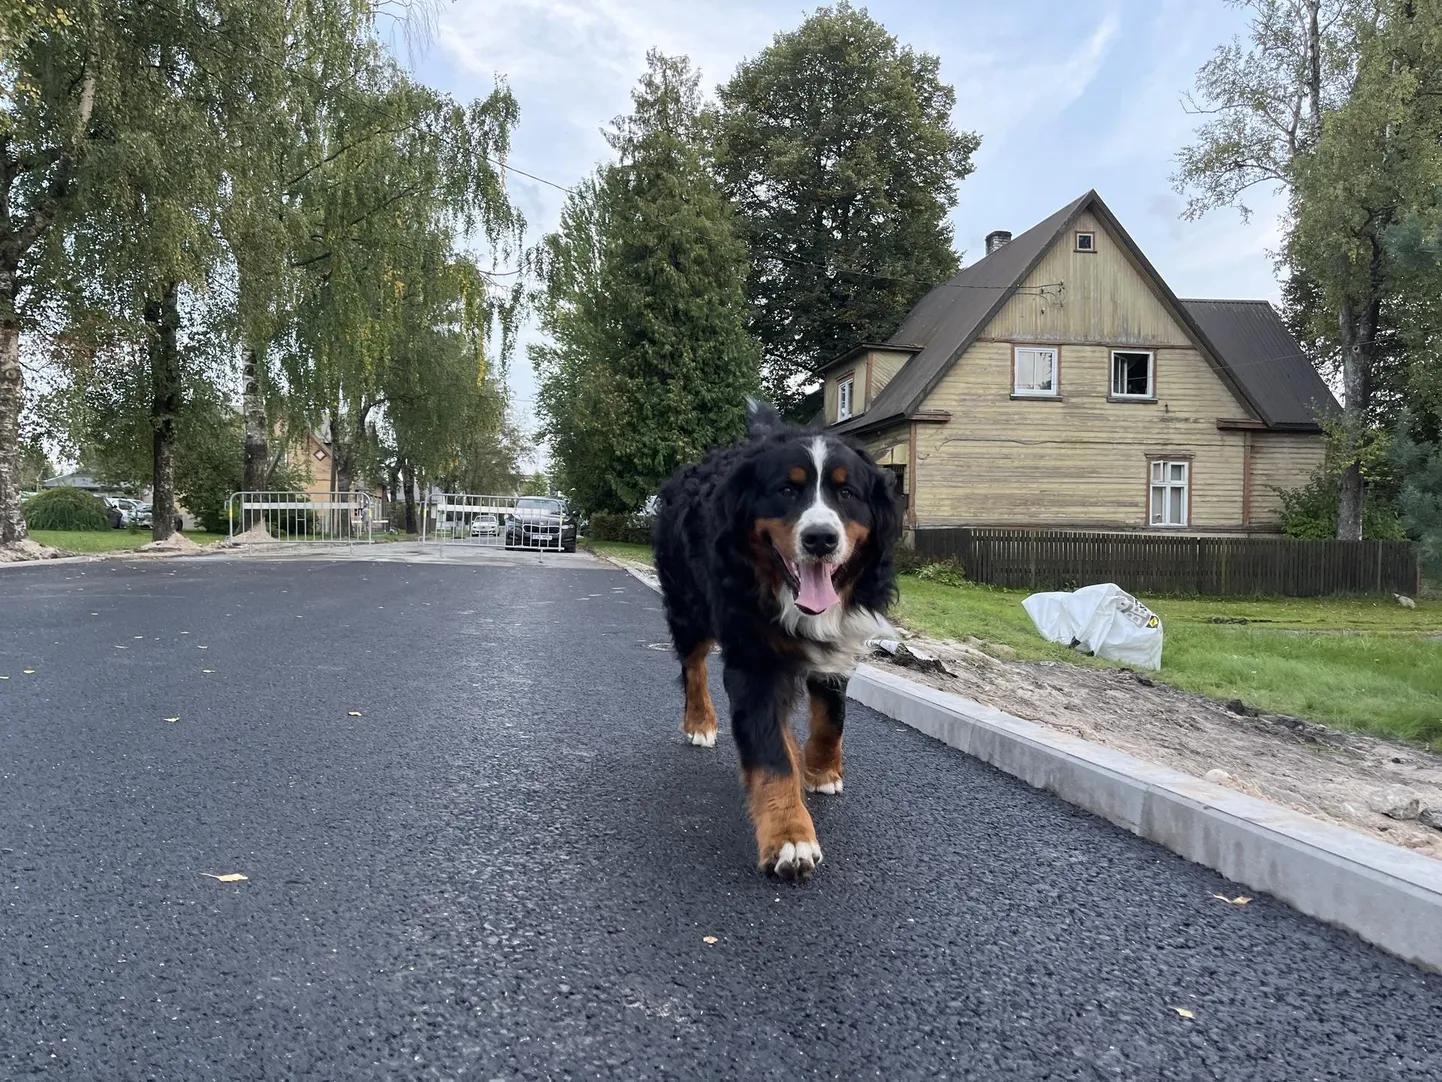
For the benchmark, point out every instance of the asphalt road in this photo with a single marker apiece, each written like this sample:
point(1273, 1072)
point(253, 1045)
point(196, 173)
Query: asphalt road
point(506, 866)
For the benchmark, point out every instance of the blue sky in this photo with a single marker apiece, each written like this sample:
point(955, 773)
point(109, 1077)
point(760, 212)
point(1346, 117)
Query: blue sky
point(1066, 96)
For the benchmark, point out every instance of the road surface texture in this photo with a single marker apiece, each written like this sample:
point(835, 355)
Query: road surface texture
point(509, 866)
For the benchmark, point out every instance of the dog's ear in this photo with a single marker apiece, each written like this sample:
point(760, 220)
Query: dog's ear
point(761, 418)
point(885, 504)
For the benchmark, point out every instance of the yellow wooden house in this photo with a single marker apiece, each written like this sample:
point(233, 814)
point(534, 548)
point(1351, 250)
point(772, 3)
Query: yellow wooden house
point(1059, 383)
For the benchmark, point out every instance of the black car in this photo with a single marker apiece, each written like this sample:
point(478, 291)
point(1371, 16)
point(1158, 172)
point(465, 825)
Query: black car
point(539, 521)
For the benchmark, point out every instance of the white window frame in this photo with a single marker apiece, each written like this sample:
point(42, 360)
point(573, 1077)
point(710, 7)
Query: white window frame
point(1085, 233)
point(1151, 356)
point(845, 390)
point(1163, 480)
point(1030, 392)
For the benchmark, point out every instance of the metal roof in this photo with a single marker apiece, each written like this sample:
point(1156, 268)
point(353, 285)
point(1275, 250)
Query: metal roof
point(947, 320)
point(1263, 356)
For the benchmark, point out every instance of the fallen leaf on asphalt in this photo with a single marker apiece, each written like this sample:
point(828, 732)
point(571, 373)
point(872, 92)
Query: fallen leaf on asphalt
point(172, 720)
point(708, 939)
point(119, 647)
point(207, 670)
point(139, 636)
point(202, 648)
point(1184, 1012)
point(355, 713)
point(1240, 899)
point(232, 877)
point(4, 678)
point(27, 672)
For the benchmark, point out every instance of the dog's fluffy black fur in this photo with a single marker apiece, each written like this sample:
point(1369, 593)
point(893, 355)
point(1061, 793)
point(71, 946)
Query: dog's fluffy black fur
point(779, 549)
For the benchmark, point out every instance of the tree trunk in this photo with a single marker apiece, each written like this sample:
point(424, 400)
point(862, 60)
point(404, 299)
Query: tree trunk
point(408, 478)
point(1358, 340)
point(164, 317)
point(257, 443)
point(1314, 70)
point(12, 391)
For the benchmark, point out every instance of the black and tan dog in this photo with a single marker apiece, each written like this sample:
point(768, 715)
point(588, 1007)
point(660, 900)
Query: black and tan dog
point(779, 549)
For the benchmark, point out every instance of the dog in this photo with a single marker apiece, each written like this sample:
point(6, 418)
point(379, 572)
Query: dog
point(779, 549)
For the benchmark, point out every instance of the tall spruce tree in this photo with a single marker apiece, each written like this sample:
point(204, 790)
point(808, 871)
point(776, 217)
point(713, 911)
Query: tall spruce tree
point(837, 145)
point(649, 363)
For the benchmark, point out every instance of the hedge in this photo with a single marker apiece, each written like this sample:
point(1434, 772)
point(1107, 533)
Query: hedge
point(65, 508)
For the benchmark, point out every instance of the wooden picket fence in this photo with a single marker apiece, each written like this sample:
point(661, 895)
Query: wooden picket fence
point(1168, 564)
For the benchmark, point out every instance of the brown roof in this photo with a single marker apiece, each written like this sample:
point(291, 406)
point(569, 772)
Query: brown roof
point(1263, 356)
point(947, 320)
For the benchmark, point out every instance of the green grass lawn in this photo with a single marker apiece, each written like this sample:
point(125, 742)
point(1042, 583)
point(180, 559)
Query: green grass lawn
point(90, 541)
point(1358, 663)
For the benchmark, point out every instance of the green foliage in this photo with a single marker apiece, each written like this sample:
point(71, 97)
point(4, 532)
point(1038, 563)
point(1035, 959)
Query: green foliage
point(1311, 512)
point(647, 364)
point(65, 508)
point(535, 484)
point(1419, 461)
point(837, 145)
point(613, 526)
point(945, 572)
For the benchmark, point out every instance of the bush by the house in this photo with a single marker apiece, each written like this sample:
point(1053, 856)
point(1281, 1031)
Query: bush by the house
point(65, 508)
point(1310, 512)
point(611, 526)
point(947, 572)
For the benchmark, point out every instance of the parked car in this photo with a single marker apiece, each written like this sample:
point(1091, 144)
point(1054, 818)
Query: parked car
point(119, 511)
point(539, 521)
point(485, 526)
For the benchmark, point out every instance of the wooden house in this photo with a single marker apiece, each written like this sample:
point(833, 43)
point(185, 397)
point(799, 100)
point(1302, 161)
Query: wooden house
point(1059, 383)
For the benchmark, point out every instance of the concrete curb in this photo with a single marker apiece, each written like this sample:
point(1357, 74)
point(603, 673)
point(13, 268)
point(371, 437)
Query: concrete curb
point(1386, 895)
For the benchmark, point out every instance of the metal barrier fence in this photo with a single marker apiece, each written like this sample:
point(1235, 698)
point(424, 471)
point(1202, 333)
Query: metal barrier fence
point(299, 517)
point(461, 519)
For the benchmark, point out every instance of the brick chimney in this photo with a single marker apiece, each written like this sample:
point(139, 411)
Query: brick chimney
point(995, 239)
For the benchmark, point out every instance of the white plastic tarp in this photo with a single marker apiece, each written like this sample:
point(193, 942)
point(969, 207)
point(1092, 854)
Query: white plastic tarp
point(1103, 620)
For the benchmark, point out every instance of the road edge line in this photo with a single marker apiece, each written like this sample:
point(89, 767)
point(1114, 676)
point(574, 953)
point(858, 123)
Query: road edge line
point(1384, 894)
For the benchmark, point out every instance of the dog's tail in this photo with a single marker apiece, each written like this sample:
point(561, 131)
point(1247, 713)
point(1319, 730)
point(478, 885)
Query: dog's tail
point(761, 417)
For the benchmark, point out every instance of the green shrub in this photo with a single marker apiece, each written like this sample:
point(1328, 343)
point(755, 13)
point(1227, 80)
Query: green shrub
point(65, 508)
point(611, 526)
point(1310, 512)
point(944, 572)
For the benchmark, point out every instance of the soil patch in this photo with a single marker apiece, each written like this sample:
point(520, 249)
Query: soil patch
point(1319, 771)
point(20, 551)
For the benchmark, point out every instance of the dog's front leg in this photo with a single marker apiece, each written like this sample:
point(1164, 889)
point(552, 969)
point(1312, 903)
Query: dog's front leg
point(785, 837)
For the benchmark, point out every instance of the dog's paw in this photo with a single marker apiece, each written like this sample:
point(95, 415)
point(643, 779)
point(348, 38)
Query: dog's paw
point(822, 781)
point(703, 738)
point(792, 861)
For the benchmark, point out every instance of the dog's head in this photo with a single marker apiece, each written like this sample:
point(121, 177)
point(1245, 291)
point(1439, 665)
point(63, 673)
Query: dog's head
point(816, 516)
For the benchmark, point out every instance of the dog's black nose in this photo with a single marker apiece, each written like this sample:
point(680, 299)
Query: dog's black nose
point(819, 540)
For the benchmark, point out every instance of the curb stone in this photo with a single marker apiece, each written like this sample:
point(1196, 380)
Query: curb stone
point(1386, 895)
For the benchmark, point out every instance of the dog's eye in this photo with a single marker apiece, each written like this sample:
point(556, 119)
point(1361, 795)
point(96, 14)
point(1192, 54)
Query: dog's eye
point(846, 492)
point(789, 491)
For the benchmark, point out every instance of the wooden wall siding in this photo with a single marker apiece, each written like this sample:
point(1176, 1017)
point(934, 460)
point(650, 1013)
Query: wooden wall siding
point(1081, 461)
point(884, 366)
point(1149, 564)
point(1106, 299)
point(892, 447)
point(1281, 460)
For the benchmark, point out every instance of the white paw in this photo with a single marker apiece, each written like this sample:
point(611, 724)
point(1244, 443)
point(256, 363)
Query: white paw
point(796, 860)
point(702, 740)
point(832, 787)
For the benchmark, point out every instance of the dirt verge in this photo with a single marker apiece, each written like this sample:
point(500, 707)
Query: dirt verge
point(1319, 771)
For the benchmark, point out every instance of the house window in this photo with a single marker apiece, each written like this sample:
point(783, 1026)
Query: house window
point(1132, 374)
point(1171, 482)
point(1035, 372)
point(1086, 242)
point(843, 398)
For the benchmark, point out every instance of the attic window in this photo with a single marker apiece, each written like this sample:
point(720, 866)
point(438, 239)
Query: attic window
point(843, 397)
point(1086, 242)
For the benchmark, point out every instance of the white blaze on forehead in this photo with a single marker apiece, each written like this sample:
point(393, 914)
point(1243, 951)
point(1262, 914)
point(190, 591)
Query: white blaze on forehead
point(819, 512)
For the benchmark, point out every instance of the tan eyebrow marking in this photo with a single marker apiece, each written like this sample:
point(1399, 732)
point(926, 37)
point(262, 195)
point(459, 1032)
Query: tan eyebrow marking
point(838, 475)
point(797, 475)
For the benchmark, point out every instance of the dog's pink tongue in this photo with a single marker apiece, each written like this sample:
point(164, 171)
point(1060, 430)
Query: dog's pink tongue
point(816, 593)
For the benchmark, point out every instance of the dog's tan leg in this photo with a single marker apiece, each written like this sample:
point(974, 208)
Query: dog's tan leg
point(699, 723)
point(786, 844)
point(821, 766)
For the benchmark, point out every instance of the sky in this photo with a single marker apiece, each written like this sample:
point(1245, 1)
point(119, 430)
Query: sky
point(1067, 95)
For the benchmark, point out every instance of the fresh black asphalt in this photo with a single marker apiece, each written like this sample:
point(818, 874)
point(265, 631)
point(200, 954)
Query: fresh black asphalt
point(507, 866)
